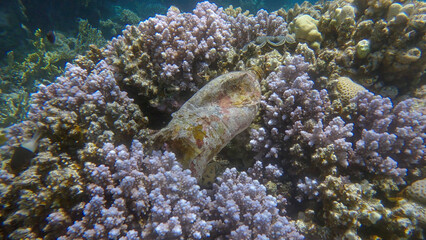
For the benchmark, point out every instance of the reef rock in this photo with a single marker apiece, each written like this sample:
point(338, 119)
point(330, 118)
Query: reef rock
point(417, 191)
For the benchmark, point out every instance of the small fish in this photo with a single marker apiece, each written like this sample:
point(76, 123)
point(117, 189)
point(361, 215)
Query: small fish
point(23, 154)
point(50, 36)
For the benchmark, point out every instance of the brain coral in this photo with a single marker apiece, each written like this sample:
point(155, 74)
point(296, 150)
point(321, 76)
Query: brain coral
point(347, 88)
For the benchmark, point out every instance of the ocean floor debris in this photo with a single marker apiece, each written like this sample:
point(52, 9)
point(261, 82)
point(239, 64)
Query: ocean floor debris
point(211, 118)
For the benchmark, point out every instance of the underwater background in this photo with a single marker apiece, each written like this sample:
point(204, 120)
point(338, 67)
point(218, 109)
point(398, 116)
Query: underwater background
point(219, 119)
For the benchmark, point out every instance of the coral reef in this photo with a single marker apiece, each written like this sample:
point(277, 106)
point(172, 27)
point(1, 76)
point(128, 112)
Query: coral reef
point(174, 52)
point(156, 188)
point(374, 42)
point(305, 29)
point(76, 114)
point(41, 66)
point(81, 111)
point(377, 44)
point(325, 157)
point(371, 138)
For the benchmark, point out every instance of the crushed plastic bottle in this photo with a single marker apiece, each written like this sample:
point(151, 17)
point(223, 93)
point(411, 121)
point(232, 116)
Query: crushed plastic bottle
point(208, 121)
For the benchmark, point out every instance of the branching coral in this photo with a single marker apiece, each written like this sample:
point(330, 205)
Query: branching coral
point(15, 107)
point(391, 136)
point(180, 52)
point(301, 129)
point(156, 188)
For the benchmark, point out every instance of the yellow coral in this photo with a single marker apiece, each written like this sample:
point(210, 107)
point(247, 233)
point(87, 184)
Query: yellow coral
point(231, 11)
point(305, 28)
point(347, 88)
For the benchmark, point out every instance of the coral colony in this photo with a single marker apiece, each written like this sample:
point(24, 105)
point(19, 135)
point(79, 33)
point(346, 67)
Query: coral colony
point(323, 153)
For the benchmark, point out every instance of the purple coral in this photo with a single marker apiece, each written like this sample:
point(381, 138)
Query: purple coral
point(77, 87)
point(309, 188)
point(292, 104)
point(247, 28)
point(129, 186)
point(247, 211)
point(187, 44)
point(181, 42)
point(335, 135)
point(391, 139)
point(386, 139)
point(80, 99)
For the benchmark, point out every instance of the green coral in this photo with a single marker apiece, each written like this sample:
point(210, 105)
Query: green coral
point(3, 137)
point(43, 64)
point(14, 107)
point(129, 17)
point(113, 26)
point(39, 64)
point(88, 35)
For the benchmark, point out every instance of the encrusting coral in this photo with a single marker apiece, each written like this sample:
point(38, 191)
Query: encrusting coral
point(417, 191)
